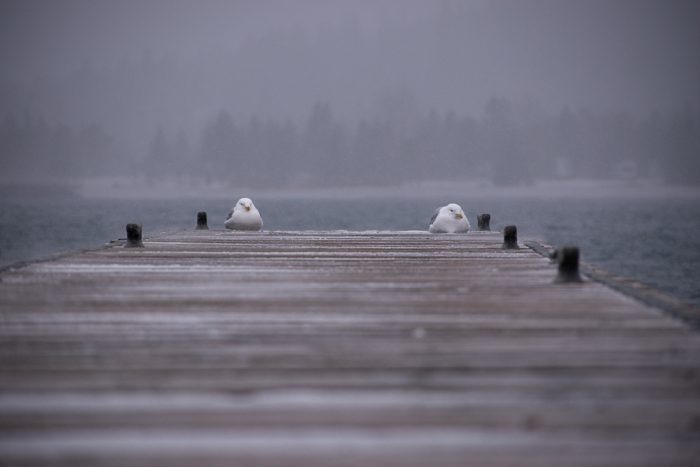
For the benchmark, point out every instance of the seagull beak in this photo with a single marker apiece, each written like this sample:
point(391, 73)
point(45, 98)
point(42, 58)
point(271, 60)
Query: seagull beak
point(459, 215)
point(247, 207)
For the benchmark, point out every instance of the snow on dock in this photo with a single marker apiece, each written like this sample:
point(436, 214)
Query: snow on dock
point(336, 348)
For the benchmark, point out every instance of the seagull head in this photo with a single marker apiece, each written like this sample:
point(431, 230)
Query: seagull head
point(455, 210)
point(245, 203)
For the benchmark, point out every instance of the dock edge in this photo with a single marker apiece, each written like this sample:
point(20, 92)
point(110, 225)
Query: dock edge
point(649, 295)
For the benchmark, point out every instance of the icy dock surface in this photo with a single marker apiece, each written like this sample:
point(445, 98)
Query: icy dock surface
point(336, 348)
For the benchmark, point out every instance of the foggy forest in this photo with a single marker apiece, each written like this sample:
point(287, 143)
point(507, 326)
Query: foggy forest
point(313, 94)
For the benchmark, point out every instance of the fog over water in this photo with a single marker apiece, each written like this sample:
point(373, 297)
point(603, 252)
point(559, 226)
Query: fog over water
point(306, 94)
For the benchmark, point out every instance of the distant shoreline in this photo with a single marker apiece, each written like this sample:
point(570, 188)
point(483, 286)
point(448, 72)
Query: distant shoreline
point(143, 188)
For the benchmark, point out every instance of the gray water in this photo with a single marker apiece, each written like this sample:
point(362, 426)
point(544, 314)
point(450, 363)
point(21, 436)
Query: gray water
point(652, 240)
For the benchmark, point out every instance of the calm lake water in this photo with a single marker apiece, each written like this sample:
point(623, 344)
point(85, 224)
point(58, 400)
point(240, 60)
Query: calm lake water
point(656, 241)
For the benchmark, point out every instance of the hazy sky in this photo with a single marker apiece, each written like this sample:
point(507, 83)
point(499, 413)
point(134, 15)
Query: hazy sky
point(132, 65)
point(102, 84)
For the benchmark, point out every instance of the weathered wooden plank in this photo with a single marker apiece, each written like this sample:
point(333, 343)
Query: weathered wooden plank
point(288, 348)
point(345, 447)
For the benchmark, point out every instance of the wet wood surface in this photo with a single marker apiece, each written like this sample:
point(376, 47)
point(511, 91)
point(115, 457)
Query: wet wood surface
point(336, 348)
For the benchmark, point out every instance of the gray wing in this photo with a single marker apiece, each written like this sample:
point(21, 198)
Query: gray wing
point(435, 214)
point(229, 215)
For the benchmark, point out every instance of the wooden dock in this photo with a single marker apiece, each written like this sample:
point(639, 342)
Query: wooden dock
point(213, 348)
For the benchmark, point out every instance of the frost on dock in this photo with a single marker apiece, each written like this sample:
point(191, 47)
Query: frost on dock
point(336, 348)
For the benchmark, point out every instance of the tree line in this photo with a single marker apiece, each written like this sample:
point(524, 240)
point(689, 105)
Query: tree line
point(501, 146)
point(504, 145)
point(32, 149)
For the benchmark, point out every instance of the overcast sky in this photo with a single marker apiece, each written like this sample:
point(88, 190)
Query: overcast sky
point(107, 81)
point(280, 55)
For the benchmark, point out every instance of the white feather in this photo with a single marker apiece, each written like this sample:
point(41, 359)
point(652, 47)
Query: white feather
point(244, 216)
point(450, 219)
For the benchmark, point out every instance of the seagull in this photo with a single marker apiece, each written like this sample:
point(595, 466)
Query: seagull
point(449, 219)
point(244, 216)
